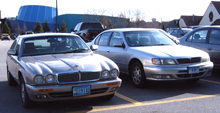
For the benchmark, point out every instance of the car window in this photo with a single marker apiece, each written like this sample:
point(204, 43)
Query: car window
point(170, 31)
point(198, 36)
point(185, 31)
point(104, 39)
point(147, 38)
point(97, 40)
point(76, 27)
point(175, 32)
point(13, 44)
point(53, 45)
point(180, 32)
point(214, 36)
point(116, 37)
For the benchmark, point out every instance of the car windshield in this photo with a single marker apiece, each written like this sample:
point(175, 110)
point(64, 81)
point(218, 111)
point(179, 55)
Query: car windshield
point(147, 38)
point(53, 45)
point(4, 35)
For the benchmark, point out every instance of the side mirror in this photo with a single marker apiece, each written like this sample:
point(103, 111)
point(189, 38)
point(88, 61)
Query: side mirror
point(94, 47)
point(177, 41)
point(118, 44)
point(11, 52)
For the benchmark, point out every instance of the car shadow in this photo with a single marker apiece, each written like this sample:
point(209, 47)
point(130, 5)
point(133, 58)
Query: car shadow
point(154, 91)
point(11, 102)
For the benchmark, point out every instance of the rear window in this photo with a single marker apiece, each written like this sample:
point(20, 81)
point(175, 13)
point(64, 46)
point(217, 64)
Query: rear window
point(90, 25)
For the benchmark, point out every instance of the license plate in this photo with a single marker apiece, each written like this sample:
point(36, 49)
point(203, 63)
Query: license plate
point(192, 70)
point(82, 90)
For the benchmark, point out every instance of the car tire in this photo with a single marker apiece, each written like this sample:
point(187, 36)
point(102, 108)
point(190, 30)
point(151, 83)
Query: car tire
point(192, 80)
point(11, 80)
point(26, 102)
point(138, 75)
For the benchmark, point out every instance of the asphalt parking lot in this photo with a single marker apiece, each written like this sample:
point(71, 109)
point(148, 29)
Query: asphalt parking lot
point(158, 97)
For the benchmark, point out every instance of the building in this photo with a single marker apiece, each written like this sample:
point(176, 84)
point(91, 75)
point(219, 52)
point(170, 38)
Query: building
point(187, 21)
point(212, 14)
point(29, 15)
point(210, 17)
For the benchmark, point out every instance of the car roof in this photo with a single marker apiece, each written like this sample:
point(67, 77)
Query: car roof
point(216, 26)
point(131, 29)
point(46, 34)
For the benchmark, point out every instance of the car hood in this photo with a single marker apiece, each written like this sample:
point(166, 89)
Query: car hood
point(58, 63)
point(176, 51)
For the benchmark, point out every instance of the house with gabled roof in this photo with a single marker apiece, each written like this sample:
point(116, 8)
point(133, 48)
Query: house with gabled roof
point(210, 17)
point(186, 21)
point(212, 14)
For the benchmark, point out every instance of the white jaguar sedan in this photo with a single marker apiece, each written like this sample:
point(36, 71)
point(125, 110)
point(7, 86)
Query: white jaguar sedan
point(59, 66)
point(148, 54)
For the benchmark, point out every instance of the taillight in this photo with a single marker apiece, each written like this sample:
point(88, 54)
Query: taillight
point(87, 34)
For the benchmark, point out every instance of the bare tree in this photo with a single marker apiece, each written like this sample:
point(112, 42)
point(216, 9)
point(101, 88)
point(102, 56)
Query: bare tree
point(94, 15)
point(114, 19)
point(138, 18)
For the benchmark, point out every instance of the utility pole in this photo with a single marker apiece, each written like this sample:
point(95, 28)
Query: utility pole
point(57, 29)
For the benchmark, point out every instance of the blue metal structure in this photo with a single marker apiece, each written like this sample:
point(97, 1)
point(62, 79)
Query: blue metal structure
point(29, 15)
point(34, 13)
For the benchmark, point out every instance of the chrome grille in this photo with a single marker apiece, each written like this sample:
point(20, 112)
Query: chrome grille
point(77, 76)
point(189, 60)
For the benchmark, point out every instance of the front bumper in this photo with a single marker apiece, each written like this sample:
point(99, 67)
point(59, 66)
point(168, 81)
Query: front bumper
point(5, 38)
point(177, 72)
point(65, 91)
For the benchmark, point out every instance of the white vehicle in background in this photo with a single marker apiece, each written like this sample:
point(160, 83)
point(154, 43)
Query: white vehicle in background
point(148, 54)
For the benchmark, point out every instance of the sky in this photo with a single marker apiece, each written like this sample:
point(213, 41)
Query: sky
point(162, 10)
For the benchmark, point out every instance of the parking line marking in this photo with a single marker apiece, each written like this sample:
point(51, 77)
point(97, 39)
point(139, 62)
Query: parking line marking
point(210, 81)
point(2, 44)
point(128, 99)
point(146, 104)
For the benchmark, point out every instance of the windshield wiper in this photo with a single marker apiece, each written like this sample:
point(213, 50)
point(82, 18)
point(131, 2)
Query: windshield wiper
point(76, 50)
point(160, 44)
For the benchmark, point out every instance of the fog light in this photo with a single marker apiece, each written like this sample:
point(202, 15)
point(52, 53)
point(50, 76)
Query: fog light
point(167, 76)
point(41, 96)
point(113, 89)
point(158, 76)
point(161, 76)
point(38, 96)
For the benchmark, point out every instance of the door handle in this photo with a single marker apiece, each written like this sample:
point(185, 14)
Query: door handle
point(108, 51)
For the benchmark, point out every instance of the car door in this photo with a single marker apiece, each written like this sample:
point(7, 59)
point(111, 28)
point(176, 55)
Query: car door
point(198, 39)
point(118, 54)
point(213, 46)
point(12, 60)
point(103, 41)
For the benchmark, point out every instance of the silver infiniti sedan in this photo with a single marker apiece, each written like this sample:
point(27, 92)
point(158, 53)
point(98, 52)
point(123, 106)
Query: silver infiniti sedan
point(59, 66)
point(148, 54)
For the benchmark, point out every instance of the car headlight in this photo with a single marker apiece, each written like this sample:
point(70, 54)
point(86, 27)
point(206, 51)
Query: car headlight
point(114, 73)
point(105, 74)
point(165, 61)
point(38, 79)
point(49, 79)
point(205, 59)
